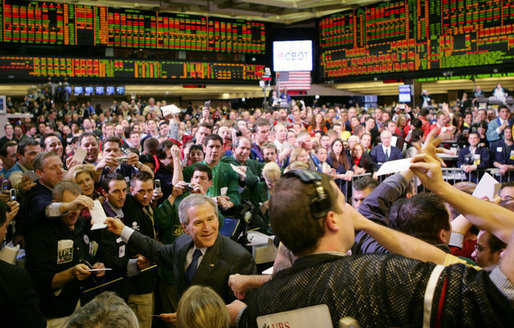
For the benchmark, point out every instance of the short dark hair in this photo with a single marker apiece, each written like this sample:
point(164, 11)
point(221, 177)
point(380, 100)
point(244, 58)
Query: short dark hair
point(106, 179)
point(214, 137)
point(195, 147)
point(4, 208)
point(24, 143)
point(206, 125)
point(87, 134)
point(3, 150)
point(422, 216)
point(417, 134)
point(203, 168)
point(46, 136)
point(496, 244)
point(161, 149)
point(141, 176)
point(114, 139)
point(260, 122)
point(290, 213)
point(150, 143)
point(364, 182)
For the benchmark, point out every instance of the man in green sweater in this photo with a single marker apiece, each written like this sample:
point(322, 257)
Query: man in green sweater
point(224, 179)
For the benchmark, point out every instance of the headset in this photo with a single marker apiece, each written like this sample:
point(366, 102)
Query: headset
point(320, 204)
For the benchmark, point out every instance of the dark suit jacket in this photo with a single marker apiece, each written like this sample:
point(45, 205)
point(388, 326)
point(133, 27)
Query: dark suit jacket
point(224, 258)
point(18, 299)
point(378, 156)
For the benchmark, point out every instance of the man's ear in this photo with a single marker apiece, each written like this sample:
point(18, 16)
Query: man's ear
point(331, 222)
point(444, 236)
point(184, 227)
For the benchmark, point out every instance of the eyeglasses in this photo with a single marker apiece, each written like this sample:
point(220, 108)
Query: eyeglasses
point(480, 248)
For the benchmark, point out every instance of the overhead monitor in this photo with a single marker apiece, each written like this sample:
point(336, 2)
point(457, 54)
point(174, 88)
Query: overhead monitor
point(109, 90)
point(404, 93)
point(291, 56)
point(99, 90)
point(120, 90)
point(88, 90)
point(78, 91)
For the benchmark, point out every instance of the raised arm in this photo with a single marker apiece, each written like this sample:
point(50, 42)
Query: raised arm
point(487, 216)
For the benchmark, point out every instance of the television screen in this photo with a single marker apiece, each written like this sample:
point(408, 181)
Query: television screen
point(78, 91)
point(99, 90)
point(120, 90)
point(404, 93)
point(89, 90)
point(292, 56)
point(109, 91)
point(68, 90)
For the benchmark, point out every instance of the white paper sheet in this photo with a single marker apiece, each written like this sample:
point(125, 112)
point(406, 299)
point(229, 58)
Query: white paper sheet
point(487, 187)
point(395, 166)
point(170, 109)
point(80, 155)
point(98, 216)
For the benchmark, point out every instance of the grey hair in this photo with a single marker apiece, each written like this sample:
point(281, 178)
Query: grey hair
point(63, 186)
point(105, 310)
point(39, 161)
point(238, 140)
point(192, 201)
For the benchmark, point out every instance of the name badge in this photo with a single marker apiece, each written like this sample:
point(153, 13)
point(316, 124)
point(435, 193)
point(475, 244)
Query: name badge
point(499, 149)
point(119, 240)
point(64, 251)
point(512, 155)
point(121, 251)
point(476, 159)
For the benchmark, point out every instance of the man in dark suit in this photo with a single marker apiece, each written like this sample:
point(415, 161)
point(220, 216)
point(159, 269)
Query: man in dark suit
point(201, 255)
point(18, 299)
point(385, 152)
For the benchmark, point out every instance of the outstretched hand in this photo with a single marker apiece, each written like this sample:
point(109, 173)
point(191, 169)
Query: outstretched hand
point(114, 225)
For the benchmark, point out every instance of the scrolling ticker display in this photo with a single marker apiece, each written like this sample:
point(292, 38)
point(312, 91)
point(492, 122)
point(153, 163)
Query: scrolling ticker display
point(415, 36)
point(48, 23)
point(75, 69)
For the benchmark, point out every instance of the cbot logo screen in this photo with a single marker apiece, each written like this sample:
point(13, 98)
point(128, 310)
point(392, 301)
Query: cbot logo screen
point(292, 56)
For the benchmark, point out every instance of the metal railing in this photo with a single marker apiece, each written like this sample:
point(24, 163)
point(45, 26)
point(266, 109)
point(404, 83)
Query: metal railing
point(450, 175)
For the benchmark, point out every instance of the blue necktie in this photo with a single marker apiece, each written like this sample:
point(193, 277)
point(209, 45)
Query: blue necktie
point(191, 269)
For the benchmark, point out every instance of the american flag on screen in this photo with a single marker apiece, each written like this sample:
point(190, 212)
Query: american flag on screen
point(294, 80)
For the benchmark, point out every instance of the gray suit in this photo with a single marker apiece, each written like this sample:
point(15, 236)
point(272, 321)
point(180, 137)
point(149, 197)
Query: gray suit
point(224, 258)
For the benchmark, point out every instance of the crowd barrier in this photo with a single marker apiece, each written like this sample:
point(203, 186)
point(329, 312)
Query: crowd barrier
point(451, 175)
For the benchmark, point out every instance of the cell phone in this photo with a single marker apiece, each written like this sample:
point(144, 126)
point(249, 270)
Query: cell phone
point(12, 194)
point(5, 186)
point(157, 184)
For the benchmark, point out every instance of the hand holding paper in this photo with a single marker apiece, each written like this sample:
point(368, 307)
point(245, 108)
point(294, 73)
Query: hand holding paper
point(98, 216)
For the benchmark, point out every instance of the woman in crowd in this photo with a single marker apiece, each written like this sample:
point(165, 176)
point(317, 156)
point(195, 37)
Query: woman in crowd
point(362, 161)
point(320, 159)
point(299, 155)
point(84, 176)
point(403, 125)
point(318, 124)
point(342, 163)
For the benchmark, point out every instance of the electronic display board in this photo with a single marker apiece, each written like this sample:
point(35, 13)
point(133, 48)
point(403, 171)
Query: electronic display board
point(416, 35)
point(74, 24)
point(169, 71)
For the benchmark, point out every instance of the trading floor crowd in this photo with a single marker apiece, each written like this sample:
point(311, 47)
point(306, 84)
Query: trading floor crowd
point(375, 249)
